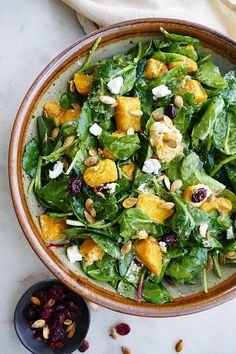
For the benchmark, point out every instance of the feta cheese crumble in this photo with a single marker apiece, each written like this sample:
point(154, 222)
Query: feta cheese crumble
point(203, 229)
point(115, 85)
point(57, 170)
point(95, 129)
point(111, 187)
point(163, 247)
point(160, 91)
point(230, 233)
point(73, 254)
point(142, 234)
point(151, 166)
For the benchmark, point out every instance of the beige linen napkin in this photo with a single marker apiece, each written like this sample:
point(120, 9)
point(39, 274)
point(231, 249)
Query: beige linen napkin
point(217, 14)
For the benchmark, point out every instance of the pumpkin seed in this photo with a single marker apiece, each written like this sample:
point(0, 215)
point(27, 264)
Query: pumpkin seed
point(179, 346)
point(126, 248)
point(88, 204)
point(69, 140)
point(113, 333)
point(76, 106)
point(176, 185)
point(167, 182)
point(35, 301)
point(136, 113)
point(89, 217)
point(49, 303)
point(210, 264)
point(67, 322)
point(71, 331)
point(158, 116)
point(166, 205)
point(178, 101)
point(54, 133)
point(66, 165)
point(46, 332)
point(168, 122)
point(91, 161)
point(70, 326)
point(38, 324)
point(126, 350)
point(108, 100)
point(170, 142)
point(129, 202)
point(160, 178)
point(92, 212)
point(72, 85)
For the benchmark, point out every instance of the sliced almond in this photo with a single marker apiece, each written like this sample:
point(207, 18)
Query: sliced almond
point(67, 322)
point(167, 182)
point(49, 303)
point(168, 121)
point(136, 112)
point(176, 185)
point(54, 133)
point(69, 140)
point(129, 202)
point(46, 332)
point(38, 324)
point(93, 151)
point(210, 264)
point(179, 346)
point(158, 116)
point(89, 217)
point(126, 248)
point(35, 300)
point(230, 255)
point(72, 85)
point(130, 131)
point(126, 350)
point(166, 205)
point(71, 331)
point(170, 142)
point(93, 306)
point(91, 161)
point(108, 100)
point(113, 333)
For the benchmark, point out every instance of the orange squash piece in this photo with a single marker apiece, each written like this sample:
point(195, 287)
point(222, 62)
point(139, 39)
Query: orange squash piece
point(83, 83)
point(124, 117)
point(69, 116)
point(154, 68)
point(104, 172)
point(51, 229)
point(149, 253)
point(90, 251)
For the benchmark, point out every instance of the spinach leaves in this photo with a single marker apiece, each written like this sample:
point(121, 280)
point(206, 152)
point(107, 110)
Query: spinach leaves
point(30, 158)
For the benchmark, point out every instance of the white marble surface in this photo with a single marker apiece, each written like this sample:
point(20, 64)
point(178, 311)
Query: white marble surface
point(32, 32)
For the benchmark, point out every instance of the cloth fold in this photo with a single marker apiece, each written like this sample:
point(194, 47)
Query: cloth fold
point(217, 14)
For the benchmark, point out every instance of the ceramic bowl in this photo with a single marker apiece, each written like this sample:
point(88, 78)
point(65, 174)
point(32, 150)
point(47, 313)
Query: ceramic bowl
point(25, 334)
point(49, 85)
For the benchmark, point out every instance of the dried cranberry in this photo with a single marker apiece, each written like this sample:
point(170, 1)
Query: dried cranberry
point(41, 295)
point(61, 317)
point(31, 313)
point(55, 292)
point(84, 346)
point(59, 307)
point(123, 329)
point(73, 308)
point(56, 332)
point(101, 188)
point(169, 239)
point(56, 345)
point(74, 186)
point(68, 314)
point(47, 314)
point(199, 196)
point(170, 110)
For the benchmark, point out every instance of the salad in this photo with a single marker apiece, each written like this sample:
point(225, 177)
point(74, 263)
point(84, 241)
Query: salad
point(136, 168)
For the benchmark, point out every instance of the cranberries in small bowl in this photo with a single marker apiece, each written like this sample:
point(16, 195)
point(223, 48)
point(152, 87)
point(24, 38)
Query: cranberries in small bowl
point(58, 309)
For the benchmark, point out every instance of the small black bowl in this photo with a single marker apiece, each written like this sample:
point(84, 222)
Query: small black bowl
point(26, 335)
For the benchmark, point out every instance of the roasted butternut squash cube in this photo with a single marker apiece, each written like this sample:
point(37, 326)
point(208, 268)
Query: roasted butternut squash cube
point(221, 204)
point(149, 253)
point(53, 110)
point(83, 83)
point(128, 170)
point(194, 86)
point(154, 68)
point(124, 117)
point(192, 65)
point(155, 208)
point(104, 172)
point(70, 116)
point(51, 229)
point(90, 251)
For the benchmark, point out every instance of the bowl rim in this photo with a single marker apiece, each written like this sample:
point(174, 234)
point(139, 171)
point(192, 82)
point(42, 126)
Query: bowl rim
point(43, 284)
point(196, 302)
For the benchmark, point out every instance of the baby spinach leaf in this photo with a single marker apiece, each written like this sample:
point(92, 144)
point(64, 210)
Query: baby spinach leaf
point(106, 270)
point(68, 129)
point(127, 289)
point(134, 273)
point(180, 38)
point(45, 127)
point(143, 91)
point(229, 93)
point(122, 147)
point(158, 278)
point(202, 129)
point(83, 124)
point(231, 172)
point(110, 247)
point(167, 57)
point(65, 101)
point(186, 269)
point(209, 75)
point(155, 293)
point(192, 173)
point(224, 132)
point(230, 247)
point(124, 263)
point(54, 194)
point(30, 158)
point(188, 51)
